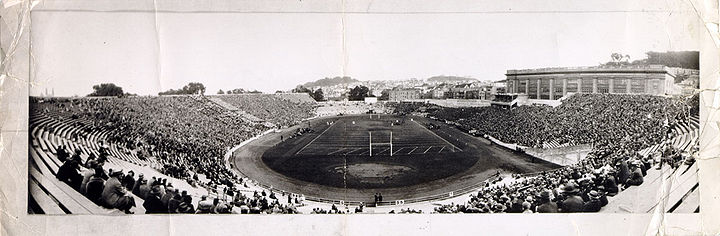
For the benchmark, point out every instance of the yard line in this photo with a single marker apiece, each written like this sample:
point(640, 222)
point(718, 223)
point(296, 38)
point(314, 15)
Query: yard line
point(427, 149)
point(352, 151)
point(383, 150)
point(364, 152)
point(397, 151)
point(443, 147)
point(412, 150)
point(306, 145)
point(336, 151)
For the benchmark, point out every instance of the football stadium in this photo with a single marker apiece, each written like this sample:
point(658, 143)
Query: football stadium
point(286, 153)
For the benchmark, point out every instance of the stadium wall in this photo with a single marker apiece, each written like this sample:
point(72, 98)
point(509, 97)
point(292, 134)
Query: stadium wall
point(563, 155)
point(454, 102)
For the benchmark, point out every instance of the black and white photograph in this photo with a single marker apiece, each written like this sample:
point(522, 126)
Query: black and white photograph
point(376, 109)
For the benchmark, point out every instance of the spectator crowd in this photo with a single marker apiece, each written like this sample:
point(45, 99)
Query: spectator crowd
point(280, 109)
point(618, 127)
point(187, 135)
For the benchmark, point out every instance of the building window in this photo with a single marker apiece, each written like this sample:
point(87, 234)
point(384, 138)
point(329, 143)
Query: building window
point(637, 86)
point(587, 85)
point(558, 86)
point(656, 87)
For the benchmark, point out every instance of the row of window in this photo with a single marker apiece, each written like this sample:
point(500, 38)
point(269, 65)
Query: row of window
point(587, 87)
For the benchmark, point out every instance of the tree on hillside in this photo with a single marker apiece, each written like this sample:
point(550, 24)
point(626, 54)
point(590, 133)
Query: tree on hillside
point(236, 91)
point(384, 95)
point(220, 92)
point(194, 88)
point(108, 89)
point(358, 93)
point(318, 95)
point(241, 91)
point(191, 88)
point(301, 89)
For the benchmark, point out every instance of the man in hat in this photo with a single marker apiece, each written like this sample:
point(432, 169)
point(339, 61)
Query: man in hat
point(87, 174)
point(144, 189)
point(114, 195)
point(129, 181)
point(594, 205)
point(95, 186)
point(204, 205)
point(623, 170)
point(572, 202)
point(223, 208)
point(186, 205)
point(608, 182)
point(174, 203)
point(636, 177)
point(546, 205)
point(62, 154)
point(169, 194)
point(68, 173)
point(136, 188)
point(152, 203)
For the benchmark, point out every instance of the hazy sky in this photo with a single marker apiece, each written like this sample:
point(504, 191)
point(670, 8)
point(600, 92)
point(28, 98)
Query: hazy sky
point(146, 53)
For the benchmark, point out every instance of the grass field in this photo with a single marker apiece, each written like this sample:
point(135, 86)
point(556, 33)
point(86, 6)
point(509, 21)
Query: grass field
point(338, 153)
point(353, 135)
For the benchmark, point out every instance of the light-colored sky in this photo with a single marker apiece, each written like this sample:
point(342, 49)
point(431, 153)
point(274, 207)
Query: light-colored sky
point(146, 53)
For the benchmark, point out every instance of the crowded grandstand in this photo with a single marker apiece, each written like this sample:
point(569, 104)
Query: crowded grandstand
point(169, 154)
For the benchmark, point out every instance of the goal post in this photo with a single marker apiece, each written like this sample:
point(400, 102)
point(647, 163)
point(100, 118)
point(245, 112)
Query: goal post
point(381, 144)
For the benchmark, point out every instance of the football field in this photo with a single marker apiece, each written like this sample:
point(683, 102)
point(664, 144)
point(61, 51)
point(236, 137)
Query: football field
point(354, 136)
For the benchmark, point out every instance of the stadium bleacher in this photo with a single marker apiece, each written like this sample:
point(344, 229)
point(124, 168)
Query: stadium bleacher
point(616, 125)
point(86, 127)
point(284, 109)
point(142, 135)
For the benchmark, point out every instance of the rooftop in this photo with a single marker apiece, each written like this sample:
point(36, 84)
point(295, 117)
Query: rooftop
point(593, 69)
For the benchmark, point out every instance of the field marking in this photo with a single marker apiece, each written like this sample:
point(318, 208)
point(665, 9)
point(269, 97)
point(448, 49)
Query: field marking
point(412, 150)
point(311, 141)
point(364, 152)
point(436, 135)
point(397, 151)
point(427, 149)
point(443, 147)
point(352, 151)
point(383, 150)
point(333, 152)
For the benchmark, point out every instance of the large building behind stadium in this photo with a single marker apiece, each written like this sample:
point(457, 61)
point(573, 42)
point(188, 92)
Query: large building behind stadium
point(554, 83)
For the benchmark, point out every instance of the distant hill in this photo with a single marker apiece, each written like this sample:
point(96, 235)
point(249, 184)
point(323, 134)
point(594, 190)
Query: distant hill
point(443, 78)
point(330, 81)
